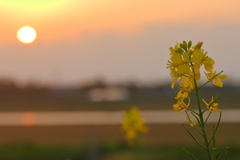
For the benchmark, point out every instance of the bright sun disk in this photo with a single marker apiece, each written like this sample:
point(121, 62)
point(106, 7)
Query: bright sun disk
point(26, 34)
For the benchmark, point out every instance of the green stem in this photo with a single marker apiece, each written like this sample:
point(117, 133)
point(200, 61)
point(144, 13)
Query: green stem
point(192, 111)
point(193, 125)
point(193, 137)
point(204, 110)
point(202, 120)
point(204, 84)
point(197, 120)
point(210, 112)
point(215, 149)
point(189, 154)
point(226, 155)
point(216, 128)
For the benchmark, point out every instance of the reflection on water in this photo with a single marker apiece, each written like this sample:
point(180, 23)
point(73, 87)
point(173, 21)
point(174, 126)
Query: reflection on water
point(28, 118)
point(102, 118)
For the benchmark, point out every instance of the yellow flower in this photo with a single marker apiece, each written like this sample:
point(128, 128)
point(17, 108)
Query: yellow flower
point(186, 56)
point(215, 78)
point(198, 56)
point(175, 76)
point(198, 45)
point(212, 106)
point(181, 95)
point(176, 59)
point(183, 68)
point(187, 85)
point(133, 123)
point(181, 105)
point(208, 64)
point(184, 62)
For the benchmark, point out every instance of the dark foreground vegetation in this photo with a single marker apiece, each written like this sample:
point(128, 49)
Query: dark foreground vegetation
point(107, 151)
point(106, 142)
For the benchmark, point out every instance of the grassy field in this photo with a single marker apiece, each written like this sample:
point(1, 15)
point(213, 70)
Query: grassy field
point(107, 151)
point(107, 143)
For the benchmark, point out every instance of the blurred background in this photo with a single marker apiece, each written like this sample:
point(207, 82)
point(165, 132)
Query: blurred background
point(63, 95)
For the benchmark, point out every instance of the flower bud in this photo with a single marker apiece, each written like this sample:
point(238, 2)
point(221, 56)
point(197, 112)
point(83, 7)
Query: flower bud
point(198, 45)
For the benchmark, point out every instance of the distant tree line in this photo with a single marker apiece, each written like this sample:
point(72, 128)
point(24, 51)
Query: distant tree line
point(8, 85)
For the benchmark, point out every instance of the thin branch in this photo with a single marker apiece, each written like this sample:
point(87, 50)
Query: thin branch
point(198, 123)
point(208, 117)
point(194, 137)
point(215, 131)
point(193, 111)
point(210, 80)
point(226, 154)
point(193, 124)
point(189, 154)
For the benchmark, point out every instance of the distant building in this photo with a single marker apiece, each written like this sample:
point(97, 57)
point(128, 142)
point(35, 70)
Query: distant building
point(108, 94)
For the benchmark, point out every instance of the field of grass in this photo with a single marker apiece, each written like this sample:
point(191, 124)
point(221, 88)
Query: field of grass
point(162, 142)
point(108, 151)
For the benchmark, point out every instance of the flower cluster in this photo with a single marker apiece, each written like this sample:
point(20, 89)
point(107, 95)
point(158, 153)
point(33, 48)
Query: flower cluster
point(133, 123)
point(184, 64)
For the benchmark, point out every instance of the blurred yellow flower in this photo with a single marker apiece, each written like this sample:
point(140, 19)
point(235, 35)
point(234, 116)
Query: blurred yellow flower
point(133, 123)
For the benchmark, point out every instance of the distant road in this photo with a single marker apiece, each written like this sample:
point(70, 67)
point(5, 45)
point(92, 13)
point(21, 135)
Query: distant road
point(102, 118)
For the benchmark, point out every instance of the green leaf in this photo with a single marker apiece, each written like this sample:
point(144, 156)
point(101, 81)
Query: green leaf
point(181, 45)
point(193, 137)
point(185, 44)
point(189, 44)
point(180, 50)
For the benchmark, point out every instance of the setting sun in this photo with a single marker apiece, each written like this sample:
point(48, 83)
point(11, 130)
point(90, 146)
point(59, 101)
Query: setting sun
point(26, 34)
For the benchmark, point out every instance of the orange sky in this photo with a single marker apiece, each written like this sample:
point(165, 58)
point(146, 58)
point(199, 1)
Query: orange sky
point(127, 39)
point(59, 19)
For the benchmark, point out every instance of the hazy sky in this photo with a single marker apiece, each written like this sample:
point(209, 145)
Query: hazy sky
point(119, 40)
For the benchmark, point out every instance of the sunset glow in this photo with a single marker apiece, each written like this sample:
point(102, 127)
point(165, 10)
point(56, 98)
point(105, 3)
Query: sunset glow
point(60, 19)
point(26, 34)
point(78, 39)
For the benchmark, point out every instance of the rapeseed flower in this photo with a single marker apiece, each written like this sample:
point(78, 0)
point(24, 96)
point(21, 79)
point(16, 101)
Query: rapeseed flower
point(212, 106)
point(215, 78)
point(181, 105)
point(187, 85)
point(185, 64)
